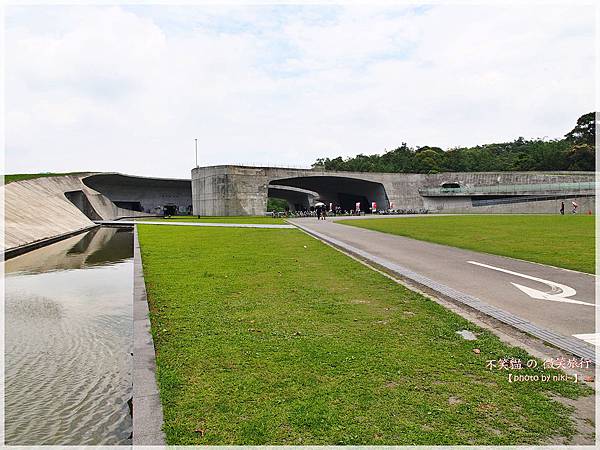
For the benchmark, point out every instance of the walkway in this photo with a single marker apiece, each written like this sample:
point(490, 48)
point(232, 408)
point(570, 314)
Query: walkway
point(556, 305)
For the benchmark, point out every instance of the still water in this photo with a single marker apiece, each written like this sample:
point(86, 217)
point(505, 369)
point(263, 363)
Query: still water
point(68, 341)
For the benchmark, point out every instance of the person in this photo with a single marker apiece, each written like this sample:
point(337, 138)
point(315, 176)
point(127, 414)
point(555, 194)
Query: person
point(575, 205)
point(324, 213)
point(318, 213)
point(562, 208)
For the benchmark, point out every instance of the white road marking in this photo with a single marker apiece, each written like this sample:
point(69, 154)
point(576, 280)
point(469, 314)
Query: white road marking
point(558, 292)
point(592, 338)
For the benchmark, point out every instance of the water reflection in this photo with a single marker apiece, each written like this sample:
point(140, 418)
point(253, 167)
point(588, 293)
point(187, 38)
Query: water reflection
point(69, 331)
point(101, 246)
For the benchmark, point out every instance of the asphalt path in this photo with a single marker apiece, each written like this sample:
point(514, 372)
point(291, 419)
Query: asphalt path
point(551, 298)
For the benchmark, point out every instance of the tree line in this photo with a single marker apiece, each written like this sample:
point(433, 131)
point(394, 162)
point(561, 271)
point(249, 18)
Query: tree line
point(576, 151)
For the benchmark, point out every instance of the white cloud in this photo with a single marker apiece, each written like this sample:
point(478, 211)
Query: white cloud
point(128, 89)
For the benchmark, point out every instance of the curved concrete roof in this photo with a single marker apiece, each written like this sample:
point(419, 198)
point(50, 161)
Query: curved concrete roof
point(132, 178)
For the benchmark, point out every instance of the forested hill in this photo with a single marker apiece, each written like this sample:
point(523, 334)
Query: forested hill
point(576, 151)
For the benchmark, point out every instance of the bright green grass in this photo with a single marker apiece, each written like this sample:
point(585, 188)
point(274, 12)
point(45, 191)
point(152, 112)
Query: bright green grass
point(271, 337)
point(30, 176)
point(562, 241)
point(219, 219)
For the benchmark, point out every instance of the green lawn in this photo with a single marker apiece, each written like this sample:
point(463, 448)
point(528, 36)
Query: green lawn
point(29, 176)
point(272, 337)
point(562, 241)
point(219, 219)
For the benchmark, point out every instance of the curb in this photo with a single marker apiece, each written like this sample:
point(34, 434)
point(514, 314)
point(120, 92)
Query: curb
point(147, 409)
point(194, 224)
point(568, 344)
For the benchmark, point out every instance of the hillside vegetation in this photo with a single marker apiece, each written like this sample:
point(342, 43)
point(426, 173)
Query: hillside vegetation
point(30, 176)
point(576, 151)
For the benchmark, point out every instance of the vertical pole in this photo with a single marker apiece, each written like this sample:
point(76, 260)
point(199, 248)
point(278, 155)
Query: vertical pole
point(196, 141)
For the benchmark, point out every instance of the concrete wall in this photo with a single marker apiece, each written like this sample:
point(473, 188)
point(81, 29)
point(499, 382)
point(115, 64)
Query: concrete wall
point(151, 193)
point(463, 205)
point(81, 201)
point(238, 190)
point(229, 191)
point(468, 179)
point(48, 207)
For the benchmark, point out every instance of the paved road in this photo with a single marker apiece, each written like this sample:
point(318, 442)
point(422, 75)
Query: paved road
point(488, 278)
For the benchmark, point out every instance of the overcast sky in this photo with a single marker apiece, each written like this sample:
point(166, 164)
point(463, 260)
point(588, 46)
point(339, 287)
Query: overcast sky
point(129, 88)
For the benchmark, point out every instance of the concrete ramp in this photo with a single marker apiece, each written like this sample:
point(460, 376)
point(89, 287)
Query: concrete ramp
point(51, 207)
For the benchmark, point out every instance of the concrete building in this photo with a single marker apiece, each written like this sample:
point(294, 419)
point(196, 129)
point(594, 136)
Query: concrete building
point(143, 194)
point(46, 208)
point(241, 190)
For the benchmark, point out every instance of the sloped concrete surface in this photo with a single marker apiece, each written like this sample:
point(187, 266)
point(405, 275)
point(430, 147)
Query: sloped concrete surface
point(37, 209)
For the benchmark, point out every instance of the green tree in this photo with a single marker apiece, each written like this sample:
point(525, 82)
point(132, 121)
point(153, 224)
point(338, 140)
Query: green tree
point(428, 161)
point(585, 130)
point(581, 157)
point(575, 152)
point(276, 204)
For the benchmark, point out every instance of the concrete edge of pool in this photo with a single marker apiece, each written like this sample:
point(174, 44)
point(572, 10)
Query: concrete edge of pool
point(147, 409)
point(26, 248)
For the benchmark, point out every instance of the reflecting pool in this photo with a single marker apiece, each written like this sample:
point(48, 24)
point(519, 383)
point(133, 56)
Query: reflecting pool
point(68, 341)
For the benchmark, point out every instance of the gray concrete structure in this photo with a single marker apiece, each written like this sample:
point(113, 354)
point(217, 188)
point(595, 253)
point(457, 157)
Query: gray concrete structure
point(143, 194)
point(297, 198)
point(42, 210)
point(241, 190)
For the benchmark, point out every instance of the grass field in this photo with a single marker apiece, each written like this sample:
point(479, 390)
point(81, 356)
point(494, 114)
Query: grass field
point(562, 241)
point(29, 176)
point(271, 337)
point(219, 219)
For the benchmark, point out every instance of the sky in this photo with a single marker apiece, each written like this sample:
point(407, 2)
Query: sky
point(128, 88)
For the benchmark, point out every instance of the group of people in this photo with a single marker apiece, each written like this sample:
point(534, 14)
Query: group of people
point(321, 212)
point(573, 211)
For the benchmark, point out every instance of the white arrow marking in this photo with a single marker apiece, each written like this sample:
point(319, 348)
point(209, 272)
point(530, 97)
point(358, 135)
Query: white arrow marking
point(593, 338)
point(559, 292)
